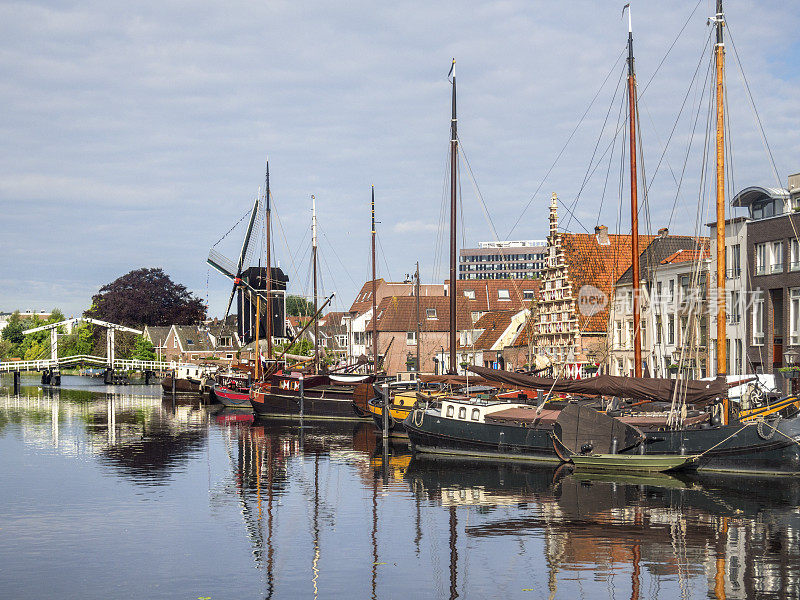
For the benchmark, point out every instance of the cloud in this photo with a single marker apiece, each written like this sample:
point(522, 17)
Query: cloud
point(135, 134)
point(414, 227)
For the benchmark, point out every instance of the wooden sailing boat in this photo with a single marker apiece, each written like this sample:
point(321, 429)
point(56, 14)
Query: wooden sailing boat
point(297, 394)
point(703, 434)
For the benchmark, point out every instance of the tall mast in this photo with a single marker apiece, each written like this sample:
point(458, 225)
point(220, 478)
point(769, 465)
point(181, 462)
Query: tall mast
point(453, 216)
point(419, 342)
point(270, 308)
point(720, 60)
point(637, 329)
point(314, 267)
point(374, 301)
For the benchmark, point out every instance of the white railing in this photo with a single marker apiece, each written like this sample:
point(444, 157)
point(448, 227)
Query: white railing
point(123, 364)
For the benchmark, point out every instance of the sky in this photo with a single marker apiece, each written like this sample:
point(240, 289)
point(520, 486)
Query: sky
point(136, 134)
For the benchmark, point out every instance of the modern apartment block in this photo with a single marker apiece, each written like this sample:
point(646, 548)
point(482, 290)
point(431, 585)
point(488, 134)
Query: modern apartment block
point(773, 268)
point(504, 260)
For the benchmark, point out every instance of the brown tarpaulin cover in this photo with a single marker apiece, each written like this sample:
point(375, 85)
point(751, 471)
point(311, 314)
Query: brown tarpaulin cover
point(451, 379)
point(694, 391)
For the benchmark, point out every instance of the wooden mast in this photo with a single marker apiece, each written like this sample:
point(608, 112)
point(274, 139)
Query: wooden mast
point(374, 299)
point(453, 217)
point(314, 268)
point(720, 60)
point(637, 329)
point(270, 308)
point(416, 293)
point(258, 328)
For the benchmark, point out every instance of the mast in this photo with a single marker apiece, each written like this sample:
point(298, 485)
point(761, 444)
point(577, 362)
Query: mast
point(314, 267)
point(270, 308)
point(453, 216)
point(416, 293)
point(637, 328)
point(374, 301)
point(258, 329)
point(720, 60)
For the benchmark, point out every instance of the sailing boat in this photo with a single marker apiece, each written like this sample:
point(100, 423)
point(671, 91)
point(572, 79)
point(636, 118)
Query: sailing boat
point(701, 432)
point(298, 394)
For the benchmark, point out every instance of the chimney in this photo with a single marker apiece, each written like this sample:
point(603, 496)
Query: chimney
point(663, 232)
point(601, 231)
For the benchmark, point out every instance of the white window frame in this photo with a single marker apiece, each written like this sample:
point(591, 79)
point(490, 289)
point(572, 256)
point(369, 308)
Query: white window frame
point(503, 295)
point(469, 294)
point(794, 254)
point(761, 258)
point(776, 257)
point(758, 320)
point(794, 316)
point(430, 313)
point(411, 338)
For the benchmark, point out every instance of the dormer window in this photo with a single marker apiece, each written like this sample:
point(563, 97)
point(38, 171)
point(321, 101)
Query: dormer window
point(430, 313)
point(503, 295)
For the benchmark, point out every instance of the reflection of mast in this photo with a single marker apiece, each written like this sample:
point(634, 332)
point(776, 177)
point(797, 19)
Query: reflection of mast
point(314, 562)
point(270, 546)
point(719, 576)
point(637, 557)
point(374, 536)
point(453, 553)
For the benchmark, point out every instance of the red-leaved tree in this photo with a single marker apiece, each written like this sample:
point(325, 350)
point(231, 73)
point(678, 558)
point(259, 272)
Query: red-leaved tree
point(146, 297)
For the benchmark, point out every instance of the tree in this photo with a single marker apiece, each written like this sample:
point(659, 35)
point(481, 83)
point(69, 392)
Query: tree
point(146, 297)
point(12, 332)
point(297, 306)
point(143, 349)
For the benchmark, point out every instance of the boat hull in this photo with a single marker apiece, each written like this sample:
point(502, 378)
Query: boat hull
point(435, 434)
point(183, 386)
point(398, 416)
point(325, 402)
point(231, 398)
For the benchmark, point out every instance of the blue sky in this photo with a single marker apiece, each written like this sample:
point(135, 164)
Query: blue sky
point(135, 134)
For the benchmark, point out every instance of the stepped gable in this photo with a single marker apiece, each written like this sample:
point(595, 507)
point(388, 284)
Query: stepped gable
point(591, 262)
point(399, 313)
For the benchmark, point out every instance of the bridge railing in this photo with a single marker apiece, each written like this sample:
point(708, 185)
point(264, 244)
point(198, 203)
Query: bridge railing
point(122, 364)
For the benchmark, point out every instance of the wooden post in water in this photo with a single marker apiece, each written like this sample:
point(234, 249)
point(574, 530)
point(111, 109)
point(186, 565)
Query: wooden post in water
point(174, 377)
point(16, 382)
point(302, 397)
point(385, 415)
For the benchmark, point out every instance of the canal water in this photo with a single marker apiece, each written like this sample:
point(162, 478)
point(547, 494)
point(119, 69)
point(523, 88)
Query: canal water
point(118, 493)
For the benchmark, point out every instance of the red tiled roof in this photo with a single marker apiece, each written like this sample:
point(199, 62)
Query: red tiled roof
point(487, 293)
point(686, 256)
point(493, 325)
point(592, 263)
point(399, 313)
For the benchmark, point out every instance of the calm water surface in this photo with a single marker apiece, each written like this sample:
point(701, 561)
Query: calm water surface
point(116, 493)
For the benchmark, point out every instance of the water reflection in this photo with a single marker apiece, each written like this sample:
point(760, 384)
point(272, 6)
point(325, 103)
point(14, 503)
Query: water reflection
point(327, 510)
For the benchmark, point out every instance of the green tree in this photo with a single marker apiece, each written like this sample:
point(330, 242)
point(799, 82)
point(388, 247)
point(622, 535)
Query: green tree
point(12, 332)
point(297, 306)
point(79, 342)
point(143, 349)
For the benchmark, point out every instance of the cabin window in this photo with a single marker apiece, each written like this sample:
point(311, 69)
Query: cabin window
point(450, 411)
point(476, 414)
point(469, 294)
point(503, 295)
point(430, 313)
point(462, 412)
point(411, 338)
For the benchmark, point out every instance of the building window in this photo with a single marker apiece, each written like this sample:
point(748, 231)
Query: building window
point(761, 259)
point(175, 342)
point(503, 295)
point(671, 330)
point(430, 313)
point(659, 339)
point(469, 294)
point(629, 337)
point(794, 316)
point(657, 299)
point(528, 294)
point(618, 334)
point(703, 332)
point(734, 267)
point(776, 266)
point(794, 255)
point(684, 330)
point(758, 320)
point(735, 315)
point(229, 356)
point(671, 291)
point(620, 367)
point(411, 338)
